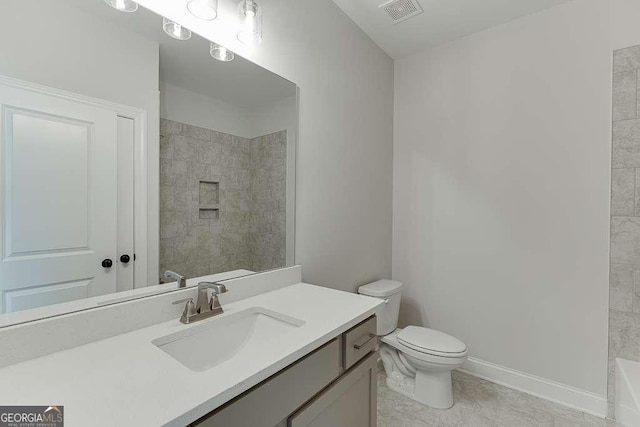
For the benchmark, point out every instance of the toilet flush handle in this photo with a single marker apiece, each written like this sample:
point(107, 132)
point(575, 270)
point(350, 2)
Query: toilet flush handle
point(386, 300)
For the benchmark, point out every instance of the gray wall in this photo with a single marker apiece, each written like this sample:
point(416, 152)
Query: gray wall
point(624, 297)
point(222, 200)
point(501, 193)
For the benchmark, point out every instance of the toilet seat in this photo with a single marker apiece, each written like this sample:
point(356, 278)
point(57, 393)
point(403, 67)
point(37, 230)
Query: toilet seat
point(423, 355)
point(429, 341)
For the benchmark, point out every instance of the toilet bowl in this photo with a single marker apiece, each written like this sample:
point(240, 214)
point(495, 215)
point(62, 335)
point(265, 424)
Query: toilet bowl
point(418, 361)
point(422, 374)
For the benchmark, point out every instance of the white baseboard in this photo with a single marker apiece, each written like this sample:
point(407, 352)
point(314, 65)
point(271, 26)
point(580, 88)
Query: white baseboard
point(562, 394)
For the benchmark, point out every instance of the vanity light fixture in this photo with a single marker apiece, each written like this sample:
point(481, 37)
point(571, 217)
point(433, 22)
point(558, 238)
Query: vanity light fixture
point(221, 53)
point(123, 5)
point(175, 30)
point(207, 10)
point(250, 16)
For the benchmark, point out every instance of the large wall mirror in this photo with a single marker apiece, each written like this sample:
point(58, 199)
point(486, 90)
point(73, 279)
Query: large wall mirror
point(127, 152)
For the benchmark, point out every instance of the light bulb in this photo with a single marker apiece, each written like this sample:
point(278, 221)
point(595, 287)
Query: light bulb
point(175, 30)
point(250, 16)
point(123, 5)
point(220, 52)
point(206, 10)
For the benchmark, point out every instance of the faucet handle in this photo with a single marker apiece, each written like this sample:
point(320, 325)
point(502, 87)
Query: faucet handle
point(189, 309)
point(216, 288)
point(180, 301)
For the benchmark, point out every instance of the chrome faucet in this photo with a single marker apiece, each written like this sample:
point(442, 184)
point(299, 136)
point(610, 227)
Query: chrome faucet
point(204, 307)
point(182, 281)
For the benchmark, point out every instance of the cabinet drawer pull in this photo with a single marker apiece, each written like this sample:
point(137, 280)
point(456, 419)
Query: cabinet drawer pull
point(363, 341)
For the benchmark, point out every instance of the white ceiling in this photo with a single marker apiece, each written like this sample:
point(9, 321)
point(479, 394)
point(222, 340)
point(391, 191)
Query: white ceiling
point(442, 21)
point(187, 64)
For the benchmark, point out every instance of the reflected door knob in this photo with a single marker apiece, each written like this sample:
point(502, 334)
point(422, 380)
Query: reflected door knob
point(125, 259)
point(107, 263)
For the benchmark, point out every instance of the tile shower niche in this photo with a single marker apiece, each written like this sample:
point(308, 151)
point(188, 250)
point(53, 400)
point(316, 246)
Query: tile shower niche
point(209, 200)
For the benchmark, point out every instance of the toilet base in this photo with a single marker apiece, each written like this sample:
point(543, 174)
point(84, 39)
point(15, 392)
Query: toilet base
point(432, 389)
point(427, 381)
point(401, 384)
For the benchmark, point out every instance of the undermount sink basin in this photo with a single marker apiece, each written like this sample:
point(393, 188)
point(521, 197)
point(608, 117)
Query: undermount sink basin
point(219, 339)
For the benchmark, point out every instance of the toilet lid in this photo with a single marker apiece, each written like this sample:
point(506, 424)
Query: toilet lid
point(429, 341)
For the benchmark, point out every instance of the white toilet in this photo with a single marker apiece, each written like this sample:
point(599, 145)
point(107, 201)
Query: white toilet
point(418, 361)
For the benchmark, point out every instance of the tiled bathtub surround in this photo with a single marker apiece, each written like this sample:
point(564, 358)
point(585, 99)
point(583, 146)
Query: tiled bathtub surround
point(248, 175)
point(624, 298)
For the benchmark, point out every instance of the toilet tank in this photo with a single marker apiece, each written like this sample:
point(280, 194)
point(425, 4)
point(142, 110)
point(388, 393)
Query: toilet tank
point(389, 291)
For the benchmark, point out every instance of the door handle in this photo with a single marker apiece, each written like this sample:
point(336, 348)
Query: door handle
point(125, 259)
point(107, 263)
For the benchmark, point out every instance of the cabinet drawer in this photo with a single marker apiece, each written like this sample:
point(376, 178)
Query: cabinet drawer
point(358, 342)
point(274, 399)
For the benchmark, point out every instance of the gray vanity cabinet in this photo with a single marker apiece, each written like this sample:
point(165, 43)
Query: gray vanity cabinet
point(334, 385)
point(350, 402)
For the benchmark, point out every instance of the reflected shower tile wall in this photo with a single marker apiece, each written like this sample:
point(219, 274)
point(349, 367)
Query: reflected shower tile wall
point(268, 192)
point(624, 289)
point(189, 244)
point(250, 230)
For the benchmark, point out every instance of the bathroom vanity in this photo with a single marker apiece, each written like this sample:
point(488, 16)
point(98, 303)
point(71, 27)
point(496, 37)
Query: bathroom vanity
point(333, 385)
point(283, 353)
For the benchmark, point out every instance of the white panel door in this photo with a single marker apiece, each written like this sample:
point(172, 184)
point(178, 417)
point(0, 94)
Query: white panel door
point(58, 210)
point(126, 252)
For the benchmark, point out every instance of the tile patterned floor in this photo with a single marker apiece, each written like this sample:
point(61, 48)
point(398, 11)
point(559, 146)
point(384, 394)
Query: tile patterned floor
point(479, 403)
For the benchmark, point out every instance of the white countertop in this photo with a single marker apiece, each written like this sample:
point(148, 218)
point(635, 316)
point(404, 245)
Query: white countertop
point(126, 380)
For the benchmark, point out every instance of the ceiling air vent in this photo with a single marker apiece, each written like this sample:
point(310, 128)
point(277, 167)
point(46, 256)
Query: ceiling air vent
point(401, 10)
